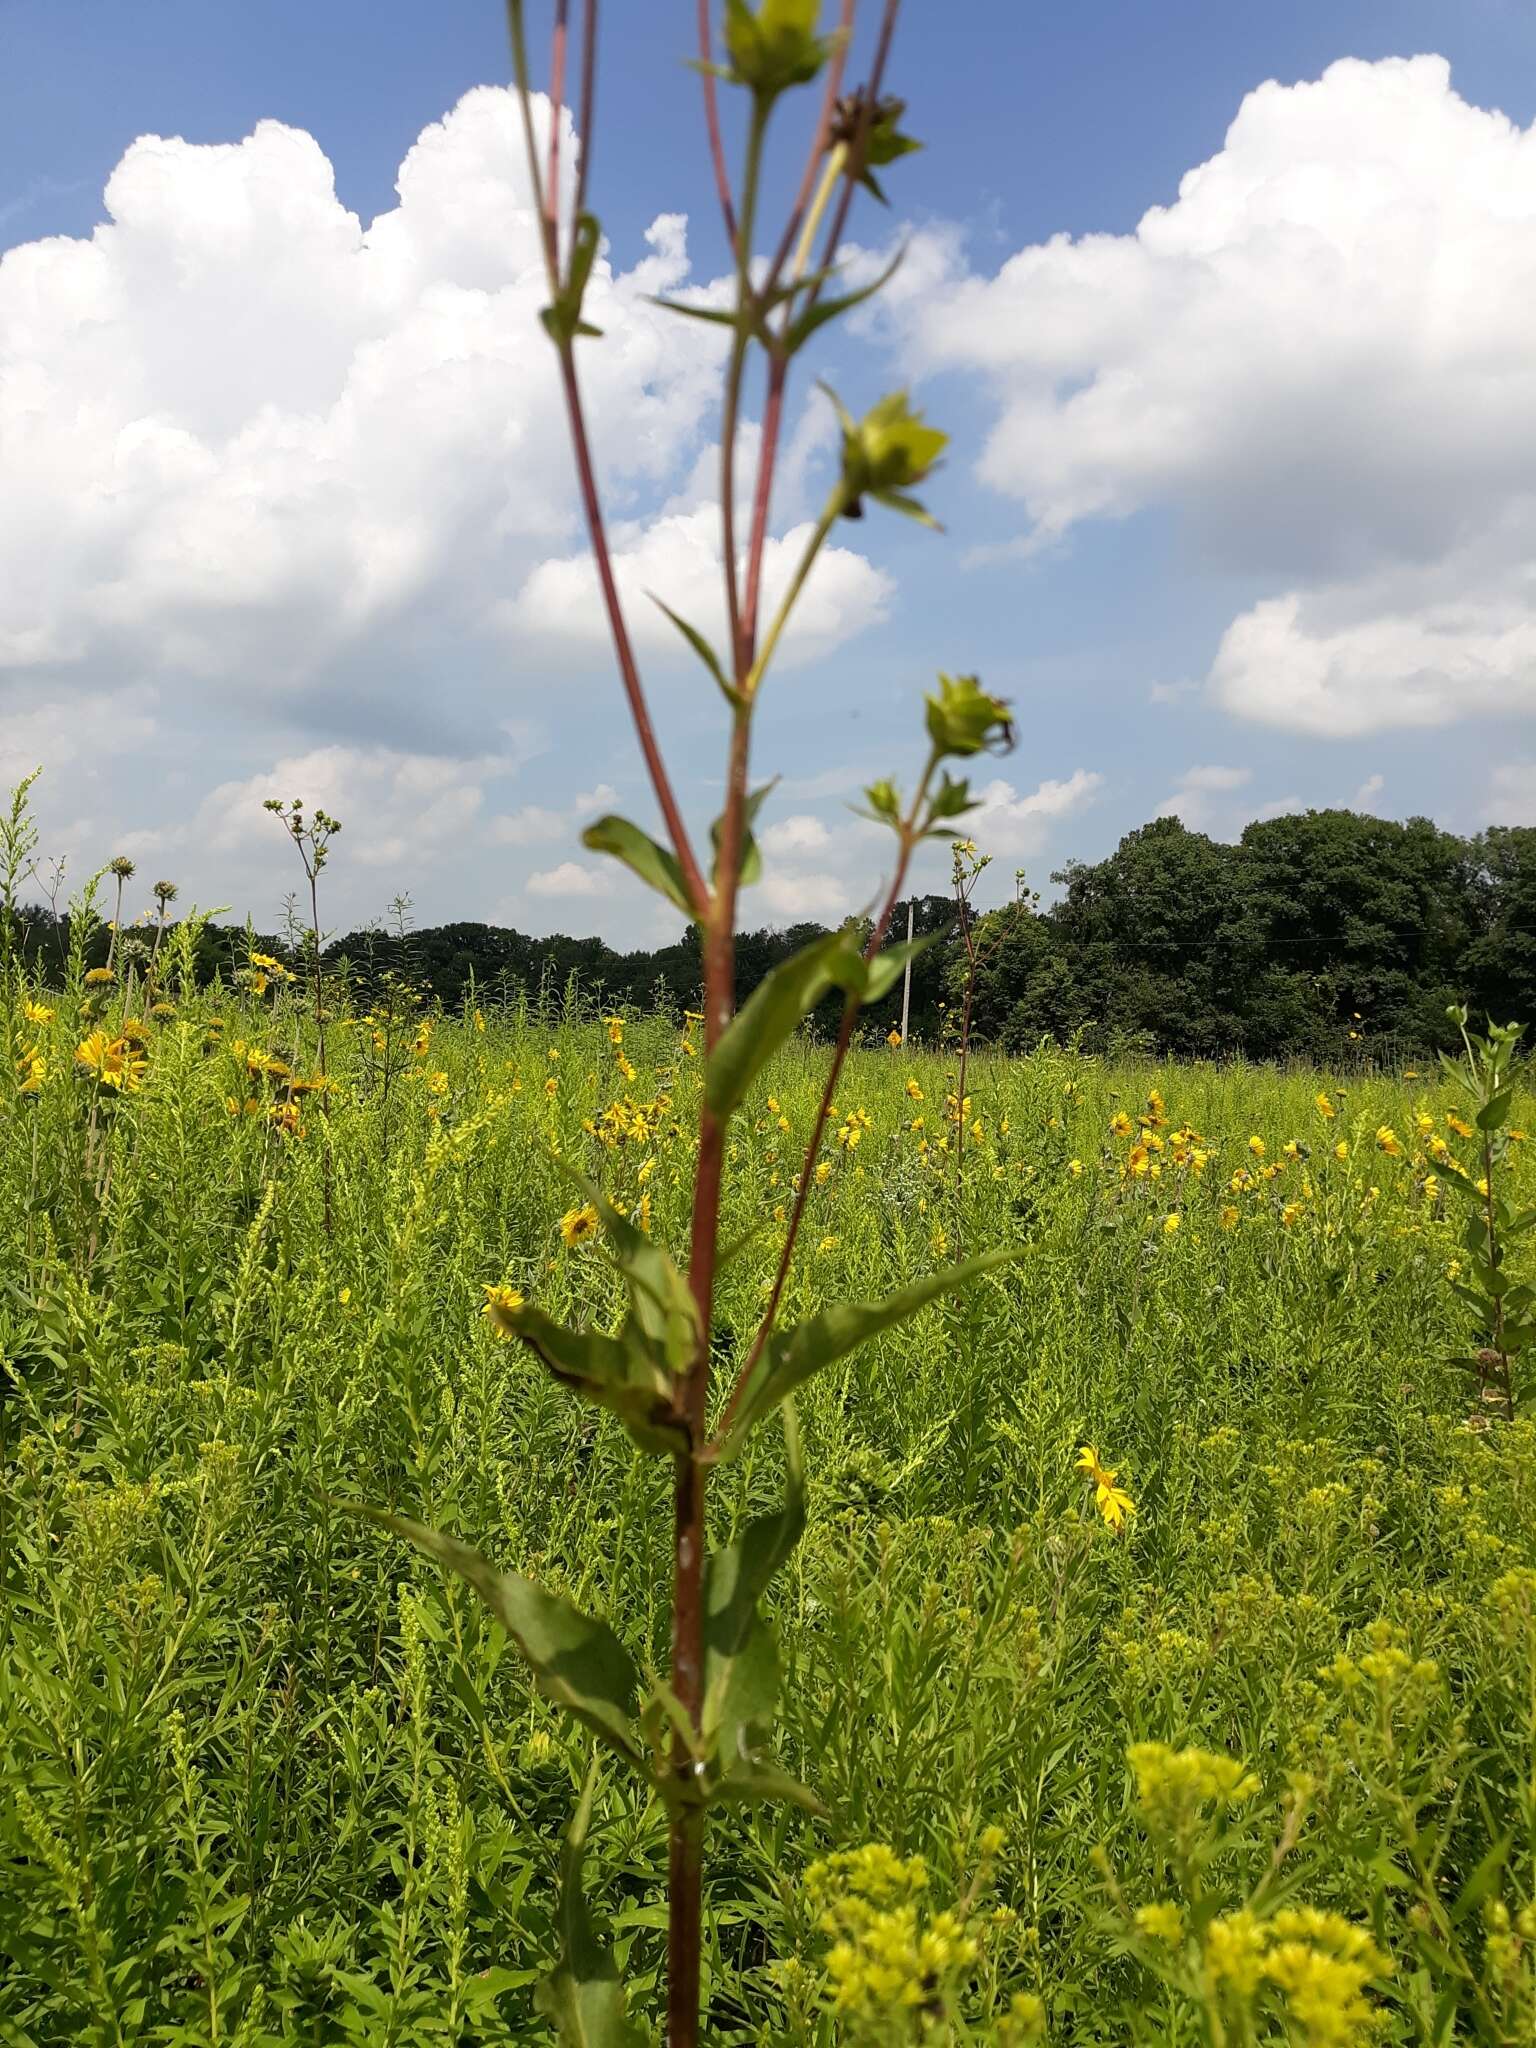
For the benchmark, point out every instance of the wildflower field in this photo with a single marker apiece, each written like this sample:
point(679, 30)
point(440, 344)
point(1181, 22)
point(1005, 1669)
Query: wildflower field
point(1161, 1649)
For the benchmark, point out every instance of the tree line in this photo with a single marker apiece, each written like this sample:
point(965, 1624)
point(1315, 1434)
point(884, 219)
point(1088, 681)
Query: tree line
point(1312, 936)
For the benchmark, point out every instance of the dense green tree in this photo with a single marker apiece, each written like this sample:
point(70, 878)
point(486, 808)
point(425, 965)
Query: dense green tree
point(1315, 935)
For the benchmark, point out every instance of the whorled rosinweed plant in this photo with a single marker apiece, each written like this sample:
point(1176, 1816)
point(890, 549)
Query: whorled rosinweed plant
point(699, 1736)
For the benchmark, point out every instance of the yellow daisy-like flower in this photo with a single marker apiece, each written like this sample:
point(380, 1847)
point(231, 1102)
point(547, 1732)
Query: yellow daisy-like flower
point(551, 1086)
point(1457, 1124)
point(913, 1090)
point(98, 977)
point(1341, 1150)
point(1111, 1500)
point(1121, 1124)
point(112, 1060)
point(1324, 1107)
point(37, 1013)
point(823, 1173)
point(1386, 1141)
point(500, 1301)
point(577, 1225)
point(1256, 1146)
point(1171, 1223)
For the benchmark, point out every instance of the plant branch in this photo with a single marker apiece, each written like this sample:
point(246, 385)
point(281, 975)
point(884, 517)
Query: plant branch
point(556, 103)
point(712, 124)
point(584, 121)
point(731, 410)
point(909, 841)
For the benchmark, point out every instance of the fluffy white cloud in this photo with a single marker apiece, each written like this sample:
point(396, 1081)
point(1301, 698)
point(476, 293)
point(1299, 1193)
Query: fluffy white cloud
point(258, 447)
point(1007, 822)
point(287, 486)
point(678, 557)
point(535, 825)
point(569, 879)
point(800, 834)
point(1320, 355)
point(397, 810)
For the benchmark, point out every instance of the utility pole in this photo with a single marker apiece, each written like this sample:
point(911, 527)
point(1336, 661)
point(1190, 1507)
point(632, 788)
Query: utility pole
point(906, 979)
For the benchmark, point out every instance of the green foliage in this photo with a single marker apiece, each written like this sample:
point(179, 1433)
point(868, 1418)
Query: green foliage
point(354, 1836)
point(655, 866)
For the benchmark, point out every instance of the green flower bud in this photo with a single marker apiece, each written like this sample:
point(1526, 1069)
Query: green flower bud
point(885, 453)
point(963, 719)
point(776, 47)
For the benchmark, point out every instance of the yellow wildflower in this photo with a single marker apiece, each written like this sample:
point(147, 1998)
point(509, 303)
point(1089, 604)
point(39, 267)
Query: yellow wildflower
point(577, 1225)
point(1386, 1141)
point(112, 1060)
point(1256, 1146)
point(37, 1013)
point(1457, 1124)
point(97, 977)
point(500, 1301)
point(1111, 1500)
point(1324, 1107)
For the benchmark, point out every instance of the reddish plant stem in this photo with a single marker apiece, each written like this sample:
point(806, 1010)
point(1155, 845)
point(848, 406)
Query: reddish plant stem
point(677, 831)
point(767, 455)
point(556, 105)
point(823, 1110)
point(691, 1472)
point(712, 125)
point(588, 102)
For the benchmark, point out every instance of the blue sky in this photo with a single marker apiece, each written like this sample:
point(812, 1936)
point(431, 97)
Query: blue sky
point(1238, 511)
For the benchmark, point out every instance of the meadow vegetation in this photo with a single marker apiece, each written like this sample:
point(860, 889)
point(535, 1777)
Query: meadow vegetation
point(1229, 1737)
point(523, 1521)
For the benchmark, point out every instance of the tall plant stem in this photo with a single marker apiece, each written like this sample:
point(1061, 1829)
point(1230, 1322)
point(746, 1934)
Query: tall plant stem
point(741, 654)
point(909, 842)
point(325, 1108)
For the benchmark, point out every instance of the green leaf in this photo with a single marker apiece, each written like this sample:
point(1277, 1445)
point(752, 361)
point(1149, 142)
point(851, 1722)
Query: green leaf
point(701, 648)
point(1495, 1111)
point(800, 330)
point(563, 321)
point(768, 1016)
point(717, 316)
point(751, 858)
point(657, 868)
point(741, 1659)
point(758, 1784)
point(622, 1374)
point(660, 1297)
point(583, 1995)
point(792, 1356)
point(577, 1662)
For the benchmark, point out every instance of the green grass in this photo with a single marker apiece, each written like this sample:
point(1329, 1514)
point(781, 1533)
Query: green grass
point(267, 1777)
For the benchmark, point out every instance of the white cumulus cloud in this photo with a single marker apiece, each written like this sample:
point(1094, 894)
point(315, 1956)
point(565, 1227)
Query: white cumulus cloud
point(1007, 821)
point(1319, 355)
